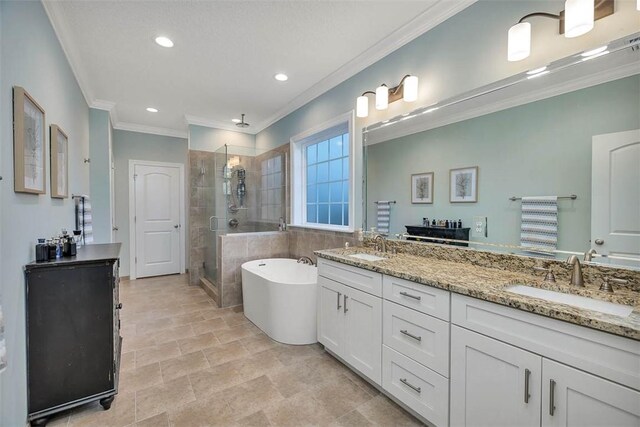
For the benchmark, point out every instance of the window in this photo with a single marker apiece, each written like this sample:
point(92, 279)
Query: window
point(322, 176)
point(271, 199)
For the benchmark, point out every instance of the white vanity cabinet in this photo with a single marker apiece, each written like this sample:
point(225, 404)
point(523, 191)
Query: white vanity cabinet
point(489, 377)
point(350, 320)
point(493, 383)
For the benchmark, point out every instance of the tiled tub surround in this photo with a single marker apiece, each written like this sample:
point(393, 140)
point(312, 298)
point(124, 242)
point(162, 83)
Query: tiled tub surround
point(236, 249)
point(461, 276)
point(305, 241)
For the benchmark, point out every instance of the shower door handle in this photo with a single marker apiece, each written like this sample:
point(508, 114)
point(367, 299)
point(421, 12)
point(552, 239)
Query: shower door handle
point(211, 227)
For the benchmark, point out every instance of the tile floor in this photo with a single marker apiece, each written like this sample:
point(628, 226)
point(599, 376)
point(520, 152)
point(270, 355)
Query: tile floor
point(186, 362)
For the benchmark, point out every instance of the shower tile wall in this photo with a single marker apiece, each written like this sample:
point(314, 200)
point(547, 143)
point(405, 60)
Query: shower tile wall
point(200, 195)
point(235, 249)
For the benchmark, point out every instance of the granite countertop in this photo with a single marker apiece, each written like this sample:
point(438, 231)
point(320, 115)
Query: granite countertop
point(489, 284)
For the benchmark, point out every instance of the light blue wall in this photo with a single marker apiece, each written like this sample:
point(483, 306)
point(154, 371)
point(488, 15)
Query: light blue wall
point(31, 57)
point(538, 149)
point(140, 146)
point(100, 154)
point(210, 139)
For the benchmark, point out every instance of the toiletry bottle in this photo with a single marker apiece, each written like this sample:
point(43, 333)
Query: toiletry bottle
point(424, 221)
point(459, 223)
point(446, 223)
point(52, 249)
point(42, 251)
point(433, 223)
point(58, 244)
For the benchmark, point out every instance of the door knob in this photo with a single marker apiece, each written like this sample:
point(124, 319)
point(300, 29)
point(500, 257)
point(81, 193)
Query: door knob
point(598, 242)
point(176, 226)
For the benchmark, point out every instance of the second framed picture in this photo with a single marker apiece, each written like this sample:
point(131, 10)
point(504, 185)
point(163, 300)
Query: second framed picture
point(59, 152)
point(422, 188)
point(463, 185)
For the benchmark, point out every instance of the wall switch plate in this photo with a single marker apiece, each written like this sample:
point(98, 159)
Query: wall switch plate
point(479, 228)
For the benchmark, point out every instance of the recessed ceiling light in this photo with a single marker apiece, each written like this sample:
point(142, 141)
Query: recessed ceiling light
point(281, 77)
point(236, 120)
point(152, 110)
point(164, 41)
point(593, 52)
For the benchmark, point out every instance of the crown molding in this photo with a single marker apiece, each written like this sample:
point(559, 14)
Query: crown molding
point(525, 97)
point(217, 124)
point(134, 127)
point(436, 14)
point(52, 9)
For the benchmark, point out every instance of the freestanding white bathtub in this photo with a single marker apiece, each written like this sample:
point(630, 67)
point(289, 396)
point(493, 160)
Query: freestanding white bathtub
point(279, 297)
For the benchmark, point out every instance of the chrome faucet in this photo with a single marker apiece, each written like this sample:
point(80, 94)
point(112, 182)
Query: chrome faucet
point(306, 260)
point(383, 242)
point(588, 256)
point(576, 274)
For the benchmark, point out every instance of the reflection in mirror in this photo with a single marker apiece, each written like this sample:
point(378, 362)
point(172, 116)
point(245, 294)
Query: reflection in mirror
point(538, 166)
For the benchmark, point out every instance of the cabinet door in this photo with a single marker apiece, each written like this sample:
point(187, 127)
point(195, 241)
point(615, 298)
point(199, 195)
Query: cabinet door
point(581, 399)
point(493, 383)
point(330, 314)
point(363, 333)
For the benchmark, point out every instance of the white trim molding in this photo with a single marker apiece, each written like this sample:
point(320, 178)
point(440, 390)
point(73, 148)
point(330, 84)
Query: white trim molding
point(134, 127)
point(132, 213)
point(217, 124)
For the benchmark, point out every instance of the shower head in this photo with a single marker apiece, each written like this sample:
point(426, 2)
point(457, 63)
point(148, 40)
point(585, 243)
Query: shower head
point(243, 124)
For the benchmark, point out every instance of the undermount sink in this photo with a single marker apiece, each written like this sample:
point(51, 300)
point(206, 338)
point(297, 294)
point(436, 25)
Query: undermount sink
point(572, 300)
point(367, 257)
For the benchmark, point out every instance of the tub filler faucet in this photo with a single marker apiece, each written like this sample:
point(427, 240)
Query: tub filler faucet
point(306, 260)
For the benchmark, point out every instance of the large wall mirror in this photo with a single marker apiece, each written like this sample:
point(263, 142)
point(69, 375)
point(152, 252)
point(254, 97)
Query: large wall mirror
point(570, 130)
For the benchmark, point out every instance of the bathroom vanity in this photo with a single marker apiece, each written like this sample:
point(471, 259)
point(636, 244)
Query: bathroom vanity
point(456, 346)
point(73, 331)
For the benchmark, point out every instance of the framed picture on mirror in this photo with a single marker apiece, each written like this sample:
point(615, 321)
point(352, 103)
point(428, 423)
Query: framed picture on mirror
point(29, 136)
point(463, 185)
point(59, 152)
point(422, 187)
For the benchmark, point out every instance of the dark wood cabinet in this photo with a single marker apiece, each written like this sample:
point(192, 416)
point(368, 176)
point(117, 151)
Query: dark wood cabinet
point(73, 331)
point(439, 233)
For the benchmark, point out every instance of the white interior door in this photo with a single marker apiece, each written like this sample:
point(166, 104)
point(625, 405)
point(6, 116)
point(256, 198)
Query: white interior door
point(157, 220)
point(615, 194)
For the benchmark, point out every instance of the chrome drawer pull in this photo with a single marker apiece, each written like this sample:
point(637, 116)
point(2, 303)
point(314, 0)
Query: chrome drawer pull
point(339, 306)
point(408, 384)
point(552, 393)
point(410, 335)
point(415, 297)
point(527, 374)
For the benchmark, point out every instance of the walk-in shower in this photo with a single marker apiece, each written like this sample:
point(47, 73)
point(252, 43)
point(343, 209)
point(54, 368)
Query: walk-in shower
point(234, 190)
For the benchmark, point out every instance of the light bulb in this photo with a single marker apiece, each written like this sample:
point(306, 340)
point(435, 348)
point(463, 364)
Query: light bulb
point(362, 106)
point(519, 41)
point(410, 92)
point(578, 17)
point(382, 97)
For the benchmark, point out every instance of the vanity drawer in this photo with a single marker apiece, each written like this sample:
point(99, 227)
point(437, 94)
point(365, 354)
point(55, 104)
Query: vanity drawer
point(423, 338)
point(426, 299)
point(359, 278)
point(606, 355)
point(420, 388)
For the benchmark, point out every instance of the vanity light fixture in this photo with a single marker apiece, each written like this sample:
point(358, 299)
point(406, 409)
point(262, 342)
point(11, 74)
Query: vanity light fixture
point(407, 90)
point(164, 41)
point(576, 19)
point(152, 110)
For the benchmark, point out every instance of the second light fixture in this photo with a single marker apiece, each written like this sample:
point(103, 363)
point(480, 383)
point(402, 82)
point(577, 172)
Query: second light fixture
point(407, 90)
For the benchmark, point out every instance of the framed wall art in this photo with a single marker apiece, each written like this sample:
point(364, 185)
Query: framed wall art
point(29, 139)
point(463, 185)
point(59, 152)
point(422, 188)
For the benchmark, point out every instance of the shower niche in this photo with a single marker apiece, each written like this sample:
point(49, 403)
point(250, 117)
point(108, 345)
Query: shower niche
point(233, 190)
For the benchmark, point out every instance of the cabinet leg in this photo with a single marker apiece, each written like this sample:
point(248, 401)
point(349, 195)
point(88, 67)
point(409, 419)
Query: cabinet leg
point(106, 402)
point(40, 422)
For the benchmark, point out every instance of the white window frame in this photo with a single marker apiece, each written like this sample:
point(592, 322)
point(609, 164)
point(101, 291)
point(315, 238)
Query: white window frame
point(298, 169)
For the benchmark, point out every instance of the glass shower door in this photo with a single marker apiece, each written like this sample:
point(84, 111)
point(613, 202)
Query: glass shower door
point(216, 211)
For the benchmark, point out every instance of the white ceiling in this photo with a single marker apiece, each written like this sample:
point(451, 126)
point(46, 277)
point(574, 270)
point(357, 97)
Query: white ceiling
point(226, 54)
